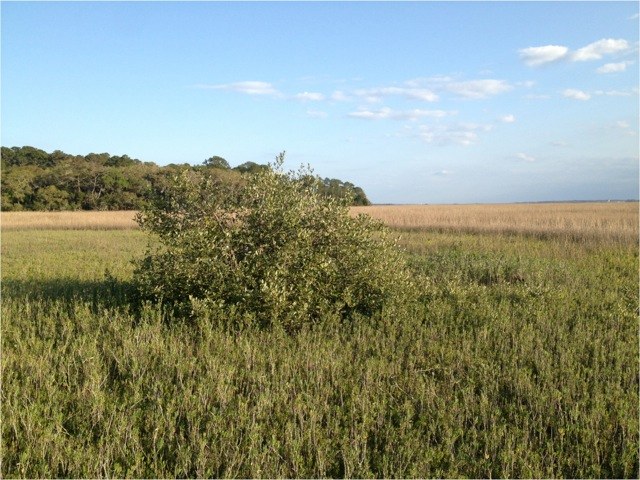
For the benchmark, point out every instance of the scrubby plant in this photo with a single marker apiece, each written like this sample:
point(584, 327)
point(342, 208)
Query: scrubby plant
point(268, 250)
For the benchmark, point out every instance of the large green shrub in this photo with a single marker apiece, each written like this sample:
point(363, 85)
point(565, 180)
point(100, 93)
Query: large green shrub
point(270, 249)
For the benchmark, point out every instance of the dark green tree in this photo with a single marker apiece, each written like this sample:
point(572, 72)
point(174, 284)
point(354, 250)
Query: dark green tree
point(121, 161)
point(250, 167)
point(28, 156)
point(216, 162)
point(18, 187)
point(51, 198)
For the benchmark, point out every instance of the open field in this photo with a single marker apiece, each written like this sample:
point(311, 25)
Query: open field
point(617, 222)
point(521, 360)
point(81, 220)
point(608, 222)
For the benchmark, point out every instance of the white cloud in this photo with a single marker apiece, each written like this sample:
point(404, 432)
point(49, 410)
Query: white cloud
point(420, 94)
point(317, 114)
point(576, 94)
point(371, 114)
point(508, 118)
point(442, 173)
point(525, 157)
point(429, 88)
point(537, 56)
point(613, 67)
point(559, 143)
point(615, 93)
point(369, 95)
point(634, 17)
point(375, 95)
point(248, 88)
point(596, 50)
point(478, 89)
point(434, 80)
point(625, 127)
point(309, 96)
point(535, 96)
point(339, 96)
point(442, 135)
point(388, 113)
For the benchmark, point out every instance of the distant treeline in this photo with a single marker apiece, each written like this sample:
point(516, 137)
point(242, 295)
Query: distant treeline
point(33, 179)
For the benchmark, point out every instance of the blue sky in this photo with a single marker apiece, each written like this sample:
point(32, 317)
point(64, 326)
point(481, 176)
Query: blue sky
point(421, 102)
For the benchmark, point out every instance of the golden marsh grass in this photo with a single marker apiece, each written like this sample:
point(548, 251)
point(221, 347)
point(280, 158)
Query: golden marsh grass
point(81, 220)
point(616, 221)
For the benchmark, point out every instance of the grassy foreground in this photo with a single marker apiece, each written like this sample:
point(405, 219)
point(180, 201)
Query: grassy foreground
point(521, 361)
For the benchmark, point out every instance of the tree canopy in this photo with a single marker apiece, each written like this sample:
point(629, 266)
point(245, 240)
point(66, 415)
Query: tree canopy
point(217, 162)
point(33, 179)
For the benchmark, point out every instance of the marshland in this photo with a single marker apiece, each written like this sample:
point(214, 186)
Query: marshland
point(519, 360)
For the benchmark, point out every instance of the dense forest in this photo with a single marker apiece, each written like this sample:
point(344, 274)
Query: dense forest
point(33, 179)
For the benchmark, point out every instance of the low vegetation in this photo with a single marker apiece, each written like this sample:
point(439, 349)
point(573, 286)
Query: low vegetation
point(82, 220)
point(590, 221)
point(616, 222)
point(519, 359)
point(269, 251)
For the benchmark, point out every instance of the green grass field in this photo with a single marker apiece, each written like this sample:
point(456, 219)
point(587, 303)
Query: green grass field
point(520, 361)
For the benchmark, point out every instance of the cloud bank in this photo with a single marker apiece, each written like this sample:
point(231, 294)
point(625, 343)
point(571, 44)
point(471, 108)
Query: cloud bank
point(309, 96)
point(576, 94)
point(537, 56)
point(525, 157)
point(463, 134)
point(247, 88)
point(546, 54)
point(613, 67)
point(384, 113)
point(471, 89)
point(375, 95)
point(478, 89)
point(596, 50)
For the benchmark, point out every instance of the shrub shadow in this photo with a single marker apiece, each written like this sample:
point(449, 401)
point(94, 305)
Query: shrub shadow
point(99, 294)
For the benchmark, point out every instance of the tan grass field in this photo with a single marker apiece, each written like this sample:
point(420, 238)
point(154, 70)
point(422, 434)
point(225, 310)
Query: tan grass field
point(82, 220)
point(615, 221)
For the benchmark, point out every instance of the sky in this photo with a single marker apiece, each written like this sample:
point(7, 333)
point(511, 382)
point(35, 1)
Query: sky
point(415, 102)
